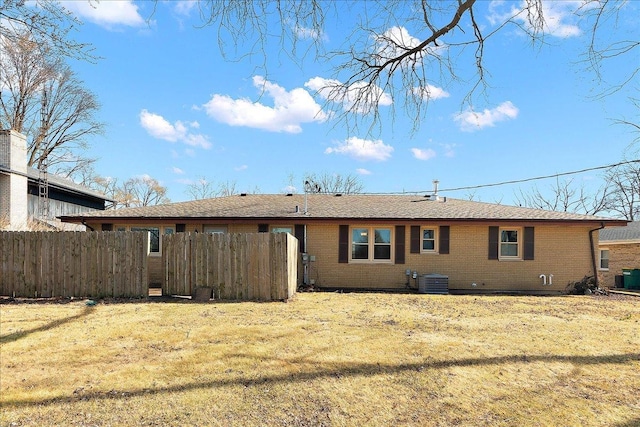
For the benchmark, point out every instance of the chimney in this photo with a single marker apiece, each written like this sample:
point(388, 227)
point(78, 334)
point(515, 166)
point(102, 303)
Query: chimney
point(13, 181)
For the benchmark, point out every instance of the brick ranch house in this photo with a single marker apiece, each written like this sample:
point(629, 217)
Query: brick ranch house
point(379, 241)
point(618, 248)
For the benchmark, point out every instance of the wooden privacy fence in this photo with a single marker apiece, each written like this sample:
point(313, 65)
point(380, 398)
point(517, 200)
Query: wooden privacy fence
point(73, 264)
point(251, 266)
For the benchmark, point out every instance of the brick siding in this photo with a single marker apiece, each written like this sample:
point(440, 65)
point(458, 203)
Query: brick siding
point(620, 256)
point(559, 250)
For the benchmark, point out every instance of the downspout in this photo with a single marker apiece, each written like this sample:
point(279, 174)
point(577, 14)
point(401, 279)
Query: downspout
point(84, 222)
point(593, 254)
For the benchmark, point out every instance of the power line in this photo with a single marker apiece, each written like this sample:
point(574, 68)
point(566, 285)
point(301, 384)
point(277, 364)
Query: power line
point(517, 181)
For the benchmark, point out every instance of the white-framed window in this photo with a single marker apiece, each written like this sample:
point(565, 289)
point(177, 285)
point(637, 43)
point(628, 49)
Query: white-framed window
point(372, 244)
point(282, 229)
point(510, 242)
point(155, 234)
point(604, 259)
point(154, 238)
point(429, 240)
point(214, 229)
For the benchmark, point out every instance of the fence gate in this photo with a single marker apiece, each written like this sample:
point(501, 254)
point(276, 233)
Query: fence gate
point(240, 266)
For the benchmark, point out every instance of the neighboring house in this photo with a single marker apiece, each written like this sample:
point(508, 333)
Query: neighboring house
point(618, 248)
point(21, 202)
point(389, 241)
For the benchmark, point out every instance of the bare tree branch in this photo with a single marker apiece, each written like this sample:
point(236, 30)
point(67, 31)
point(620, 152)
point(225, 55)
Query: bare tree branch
point(48, 23)
point(401, 49)
point(332, 184)
point(141, 191)
point(44, 100)
point(564, 196)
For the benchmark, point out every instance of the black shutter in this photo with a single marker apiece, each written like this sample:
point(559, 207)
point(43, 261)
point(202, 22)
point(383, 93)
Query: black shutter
point(298, 231)
point(107, 227)
point(343, 244)
point(415, 239)
point(180, 228)
point(399, 244)
point(263, 228)
point(494, 235)
point(528, 243)
point(443, 244)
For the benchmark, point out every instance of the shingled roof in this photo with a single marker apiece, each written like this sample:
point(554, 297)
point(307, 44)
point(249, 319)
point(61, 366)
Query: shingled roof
point(630, 233)
point(66, 185)
point(337, 207)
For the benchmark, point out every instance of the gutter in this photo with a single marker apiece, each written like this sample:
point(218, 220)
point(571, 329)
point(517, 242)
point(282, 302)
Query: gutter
point(593, 254)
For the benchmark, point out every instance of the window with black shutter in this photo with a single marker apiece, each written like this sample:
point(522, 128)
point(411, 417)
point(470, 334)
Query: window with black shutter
point(399, 251)
point(443, 244)
point(529, 246)
point(343, 244)
point(494, 234)
point(415, 239)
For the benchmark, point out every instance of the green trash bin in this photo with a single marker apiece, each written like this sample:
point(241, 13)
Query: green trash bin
point(631, 277)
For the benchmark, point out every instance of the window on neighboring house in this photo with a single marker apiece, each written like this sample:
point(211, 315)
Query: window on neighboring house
point(509, 243)
point(282, 230)
point(371, 244)
point(214, 229)
point(604, 259)
point(428, 240)
point(154, 238)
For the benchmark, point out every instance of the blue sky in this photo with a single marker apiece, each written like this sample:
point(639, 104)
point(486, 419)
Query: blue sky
point(178, 111)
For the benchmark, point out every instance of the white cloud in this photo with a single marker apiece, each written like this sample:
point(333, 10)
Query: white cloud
point(470, 120)
point(430, 92)
point(289, 189)
point(308, 33)
point(177, 171)
point(558, 16)
point(396, 41)
point(160, 128)
point(185, 7)
point(363, 171)
point(423, 154)
point(290, 109)
point(449, 150)
point(359, 97)
point(107, 14)
point(362, 149)
point(241, 168)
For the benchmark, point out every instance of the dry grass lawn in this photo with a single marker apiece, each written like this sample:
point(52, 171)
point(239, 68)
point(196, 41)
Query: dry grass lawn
point(324, 359)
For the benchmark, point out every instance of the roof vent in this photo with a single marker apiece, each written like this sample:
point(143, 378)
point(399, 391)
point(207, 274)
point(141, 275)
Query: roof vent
point(289, 194)
point(338, 194)
point(243, 194)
